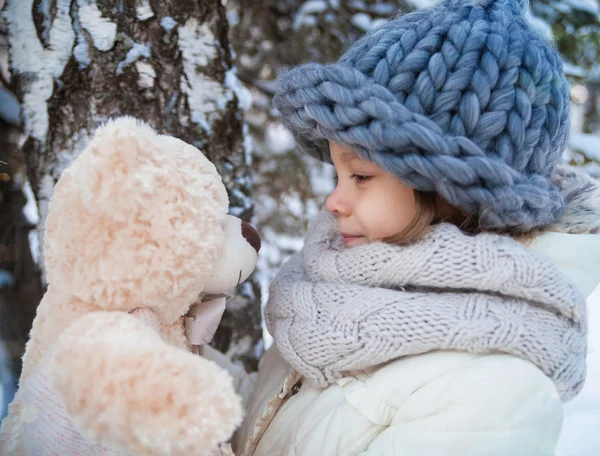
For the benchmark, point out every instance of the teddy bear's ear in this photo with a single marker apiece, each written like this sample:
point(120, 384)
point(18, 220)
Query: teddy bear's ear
point(135, 221)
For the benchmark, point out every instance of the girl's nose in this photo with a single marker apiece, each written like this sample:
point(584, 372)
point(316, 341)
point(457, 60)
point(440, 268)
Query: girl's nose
point(335, 203)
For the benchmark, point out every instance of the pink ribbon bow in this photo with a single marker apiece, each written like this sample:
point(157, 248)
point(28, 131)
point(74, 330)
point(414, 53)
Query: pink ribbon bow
point(203, 318)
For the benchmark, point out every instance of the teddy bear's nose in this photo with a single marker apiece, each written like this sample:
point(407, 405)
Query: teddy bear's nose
point(251, 235)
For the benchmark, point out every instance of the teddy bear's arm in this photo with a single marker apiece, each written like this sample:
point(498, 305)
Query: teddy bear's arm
point(127, 388)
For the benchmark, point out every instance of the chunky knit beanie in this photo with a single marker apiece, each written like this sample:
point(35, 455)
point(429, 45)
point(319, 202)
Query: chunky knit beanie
point(464, 99)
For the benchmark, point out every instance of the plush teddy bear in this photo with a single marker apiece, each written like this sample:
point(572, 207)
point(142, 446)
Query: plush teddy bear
point(139, 251)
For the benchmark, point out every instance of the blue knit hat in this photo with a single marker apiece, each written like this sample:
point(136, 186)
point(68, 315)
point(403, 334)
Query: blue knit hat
point(464, 99)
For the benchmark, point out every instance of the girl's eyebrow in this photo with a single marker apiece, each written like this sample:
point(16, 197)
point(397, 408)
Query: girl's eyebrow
point(350, 155)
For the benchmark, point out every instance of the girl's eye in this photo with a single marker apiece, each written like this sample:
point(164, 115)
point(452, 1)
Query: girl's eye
point(360, 179)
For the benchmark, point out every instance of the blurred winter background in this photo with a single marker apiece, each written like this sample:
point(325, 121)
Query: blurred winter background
point(286, 189)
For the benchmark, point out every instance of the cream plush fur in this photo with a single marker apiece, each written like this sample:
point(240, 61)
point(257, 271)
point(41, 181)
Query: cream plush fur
point(136, 226)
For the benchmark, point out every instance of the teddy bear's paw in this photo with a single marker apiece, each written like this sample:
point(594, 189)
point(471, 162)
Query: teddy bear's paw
point(127, 388)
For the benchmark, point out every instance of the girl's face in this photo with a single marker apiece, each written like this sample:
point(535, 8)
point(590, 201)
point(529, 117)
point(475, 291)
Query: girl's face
point(370, 203)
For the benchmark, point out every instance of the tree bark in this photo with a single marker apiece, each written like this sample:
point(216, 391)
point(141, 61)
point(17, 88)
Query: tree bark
point(168, 62)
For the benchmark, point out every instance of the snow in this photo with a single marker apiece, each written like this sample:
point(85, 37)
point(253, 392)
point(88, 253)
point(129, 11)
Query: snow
point(44, 10)
point(71, 150)
point(293, 203)
point(321, 177)
point(168, 23)
point(143, 10)
point(580, 434)
point(278, 139)
point(137, 51)
point(43, 202)
point(587, 6)
point(592, 168)
point(313, 6)
point(102, 30)
point(305, 15)
point(577, 122)
point(384, 9)
point(33, 217)
point(146, 74)
point(233, 17)
point(80, 52)
point(422, 3)
point(573, 70)
point(245, 202)
point(365, 22)
point(362, 21)
point(10, 109)
point(248, 144)
point(60, 39)
point(197, 42)
point(207, 98)
point(42, 64)
point(172, 101)
point(357, 4)
point(587, 144)
point(241, 347)
point(242, 93)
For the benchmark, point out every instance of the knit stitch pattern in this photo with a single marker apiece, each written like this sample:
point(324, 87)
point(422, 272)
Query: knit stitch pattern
point(464, 99)
point(332, 310)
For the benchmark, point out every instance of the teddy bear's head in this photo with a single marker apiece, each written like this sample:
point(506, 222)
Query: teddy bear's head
point(140, 220)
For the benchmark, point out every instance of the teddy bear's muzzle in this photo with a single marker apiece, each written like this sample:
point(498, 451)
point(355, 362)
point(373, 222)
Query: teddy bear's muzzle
point(251, 236)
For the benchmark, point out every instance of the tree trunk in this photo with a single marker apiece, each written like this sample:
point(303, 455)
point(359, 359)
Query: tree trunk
point(20, 288)
point(168, 62)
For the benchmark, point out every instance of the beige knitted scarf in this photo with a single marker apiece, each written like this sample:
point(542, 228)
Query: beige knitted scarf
point(333, 310)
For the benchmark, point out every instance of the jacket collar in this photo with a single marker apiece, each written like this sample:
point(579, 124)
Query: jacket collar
point(577, 256)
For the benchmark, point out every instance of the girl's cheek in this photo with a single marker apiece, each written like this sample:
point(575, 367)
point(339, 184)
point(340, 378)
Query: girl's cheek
point(372, 218)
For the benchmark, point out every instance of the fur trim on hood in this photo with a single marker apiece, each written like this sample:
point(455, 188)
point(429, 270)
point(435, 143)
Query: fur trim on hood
point(582, 197)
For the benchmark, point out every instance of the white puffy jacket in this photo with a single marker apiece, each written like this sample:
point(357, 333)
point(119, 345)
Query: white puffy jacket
point(439, 403)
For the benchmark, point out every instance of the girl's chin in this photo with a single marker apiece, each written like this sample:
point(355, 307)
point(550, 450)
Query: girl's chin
point(354, 241)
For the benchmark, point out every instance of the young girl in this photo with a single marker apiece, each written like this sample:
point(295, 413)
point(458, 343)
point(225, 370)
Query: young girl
point(438, 304)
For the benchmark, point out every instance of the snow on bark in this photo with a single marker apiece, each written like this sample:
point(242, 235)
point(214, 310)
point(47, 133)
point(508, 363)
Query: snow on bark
point(32, 215)
point(102, 30)
point(136, 52)
point(168, 23)
point(80, 52)
point(41, 64)
point(10, 108)
point(146, 74)
point(206, 97)
point(144, 10)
